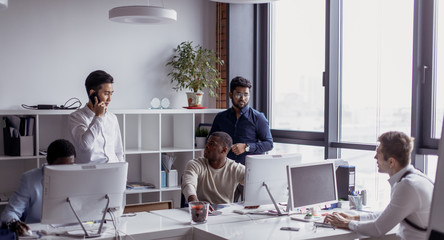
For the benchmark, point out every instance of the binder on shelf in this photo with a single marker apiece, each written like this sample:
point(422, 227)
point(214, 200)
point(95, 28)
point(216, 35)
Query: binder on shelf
point(18, 136)
point(163, 179)
point(172, 178)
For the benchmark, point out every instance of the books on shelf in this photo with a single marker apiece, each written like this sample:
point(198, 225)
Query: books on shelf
point(139, 186)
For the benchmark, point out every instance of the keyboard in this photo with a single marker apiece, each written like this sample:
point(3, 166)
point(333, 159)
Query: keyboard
point(252, 211)
point(324, 225)
point(301, 218)
point(72, 230)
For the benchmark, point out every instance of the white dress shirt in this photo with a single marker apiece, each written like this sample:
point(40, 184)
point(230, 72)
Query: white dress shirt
point(96, 139)
point(410, 198)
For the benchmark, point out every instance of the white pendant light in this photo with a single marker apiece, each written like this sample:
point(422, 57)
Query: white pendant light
point(244, 1)
point(142, 14)
point(3, 4)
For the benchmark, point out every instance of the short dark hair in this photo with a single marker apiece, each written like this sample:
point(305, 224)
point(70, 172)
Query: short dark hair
point(226, 139)
point(58, 149)
point(397, 145)
point(239, 82)
point(96, 79)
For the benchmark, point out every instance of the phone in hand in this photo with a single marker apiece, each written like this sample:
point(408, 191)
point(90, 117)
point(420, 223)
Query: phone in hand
point(93, 96)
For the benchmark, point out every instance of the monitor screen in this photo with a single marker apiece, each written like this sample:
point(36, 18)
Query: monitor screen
point(269, 169)
point(86, 185)
point(312, 184)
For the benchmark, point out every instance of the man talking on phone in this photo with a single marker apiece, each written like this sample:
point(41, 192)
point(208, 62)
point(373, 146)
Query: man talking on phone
point(94, 130)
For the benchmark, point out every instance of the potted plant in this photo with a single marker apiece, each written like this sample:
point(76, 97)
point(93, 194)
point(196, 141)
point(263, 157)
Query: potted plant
point(195, 68)
point(201, 137)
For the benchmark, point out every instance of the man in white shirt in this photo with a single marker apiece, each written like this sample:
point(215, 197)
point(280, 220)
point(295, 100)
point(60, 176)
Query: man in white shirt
point(94, 130)
point(214, 177)
point(411, 194)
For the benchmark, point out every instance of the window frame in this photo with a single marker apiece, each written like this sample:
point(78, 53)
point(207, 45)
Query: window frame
point(421, 114)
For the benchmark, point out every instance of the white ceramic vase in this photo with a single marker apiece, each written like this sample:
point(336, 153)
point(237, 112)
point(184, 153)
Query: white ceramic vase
point(194, 99)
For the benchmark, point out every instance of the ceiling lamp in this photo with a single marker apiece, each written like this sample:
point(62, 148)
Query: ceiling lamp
point(142, 14)
point(245, 1)
point(3, 4)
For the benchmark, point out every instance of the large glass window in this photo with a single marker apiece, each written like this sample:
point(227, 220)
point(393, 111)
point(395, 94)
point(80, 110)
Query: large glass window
point(367, 176)
point(432, 163)
point(308, 153)
point(377, 46)
point(372, 66)
point(439, 79)
point(298, 50)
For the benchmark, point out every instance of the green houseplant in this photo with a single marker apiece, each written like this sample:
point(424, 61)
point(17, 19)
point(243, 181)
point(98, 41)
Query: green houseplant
point(195, 68)
point(201, 137)
point(202, 132)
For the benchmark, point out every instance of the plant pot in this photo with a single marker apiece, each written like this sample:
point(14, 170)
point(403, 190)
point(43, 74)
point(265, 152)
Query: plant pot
point(194, 99)
point(200, 142)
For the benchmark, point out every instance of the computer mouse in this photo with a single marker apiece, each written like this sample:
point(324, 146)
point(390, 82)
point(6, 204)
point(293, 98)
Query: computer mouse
point(27, 233)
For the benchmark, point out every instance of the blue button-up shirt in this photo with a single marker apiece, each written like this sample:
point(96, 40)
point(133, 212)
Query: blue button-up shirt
point(251, 127)
point(27, 198)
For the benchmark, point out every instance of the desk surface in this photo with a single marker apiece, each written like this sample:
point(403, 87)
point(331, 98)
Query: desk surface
point(182, 215)
point(141, 226)
point(269, 228)
point(175, 224)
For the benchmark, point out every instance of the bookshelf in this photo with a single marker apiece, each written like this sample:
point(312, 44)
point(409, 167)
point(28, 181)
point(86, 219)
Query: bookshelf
point(146, 135)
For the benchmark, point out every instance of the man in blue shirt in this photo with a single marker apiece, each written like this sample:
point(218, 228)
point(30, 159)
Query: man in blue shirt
point(26, 203)
point(247, 127)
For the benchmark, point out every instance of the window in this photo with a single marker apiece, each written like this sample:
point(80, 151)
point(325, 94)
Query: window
point(374, 64)
point(438, 110)
point(297, 94)
point(308, 153)
point(376, 68)
point(432, 163)
point(367, 176)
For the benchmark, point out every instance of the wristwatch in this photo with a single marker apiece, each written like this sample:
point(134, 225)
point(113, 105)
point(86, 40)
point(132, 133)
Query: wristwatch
point(247, 148)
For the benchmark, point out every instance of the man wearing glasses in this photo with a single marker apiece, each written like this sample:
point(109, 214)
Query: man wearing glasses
point(247, 127)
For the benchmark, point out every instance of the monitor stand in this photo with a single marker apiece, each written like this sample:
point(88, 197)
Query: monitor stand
point(99, 231)
point(279, 212)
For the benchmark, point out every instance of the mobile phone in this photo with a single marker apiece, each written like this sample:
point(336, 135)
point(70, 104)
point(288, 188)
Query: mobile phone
point(93, 99)
point(290, 228)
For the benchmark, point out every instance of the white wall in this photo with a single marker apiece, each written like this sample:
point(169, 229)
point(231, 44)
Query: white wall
point(48, 47)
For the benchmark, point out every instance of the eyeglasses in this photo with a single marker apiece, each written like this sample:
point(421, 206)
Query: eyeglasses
point(239, 95)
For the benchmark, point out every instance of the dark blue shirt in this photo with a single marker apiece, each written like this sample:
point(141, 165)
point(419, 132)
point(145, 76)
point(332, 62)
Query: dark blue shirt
point(251, 128)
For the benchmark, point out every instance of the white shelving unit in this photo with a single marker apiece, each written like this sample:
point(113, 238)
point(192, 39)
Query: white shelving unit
point(146, 135)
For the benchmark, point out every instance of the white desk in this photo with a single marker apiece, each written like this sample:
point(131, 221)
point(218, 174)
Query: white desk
point(268, 229)
point(175, 224)
point(142, 226)
point(182, 215)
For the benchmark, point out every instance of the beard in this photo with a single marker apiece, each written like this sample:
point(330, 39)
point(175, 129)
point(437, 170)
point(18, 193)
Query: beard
point(237, 105)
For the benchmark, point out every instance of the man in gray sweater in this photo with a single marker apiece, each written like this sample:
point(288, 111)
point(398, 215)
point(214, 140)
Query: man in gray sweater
point(214, 177)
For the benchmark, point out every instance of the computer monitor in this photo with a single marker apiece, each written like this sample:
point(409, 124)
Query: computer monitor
point(92, 190)
point(268, 169)
point(312, 184)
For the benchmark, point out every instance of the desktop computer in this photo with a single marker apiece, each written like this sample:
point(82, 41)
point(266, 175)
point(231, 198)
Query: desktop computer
point(345, 180)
